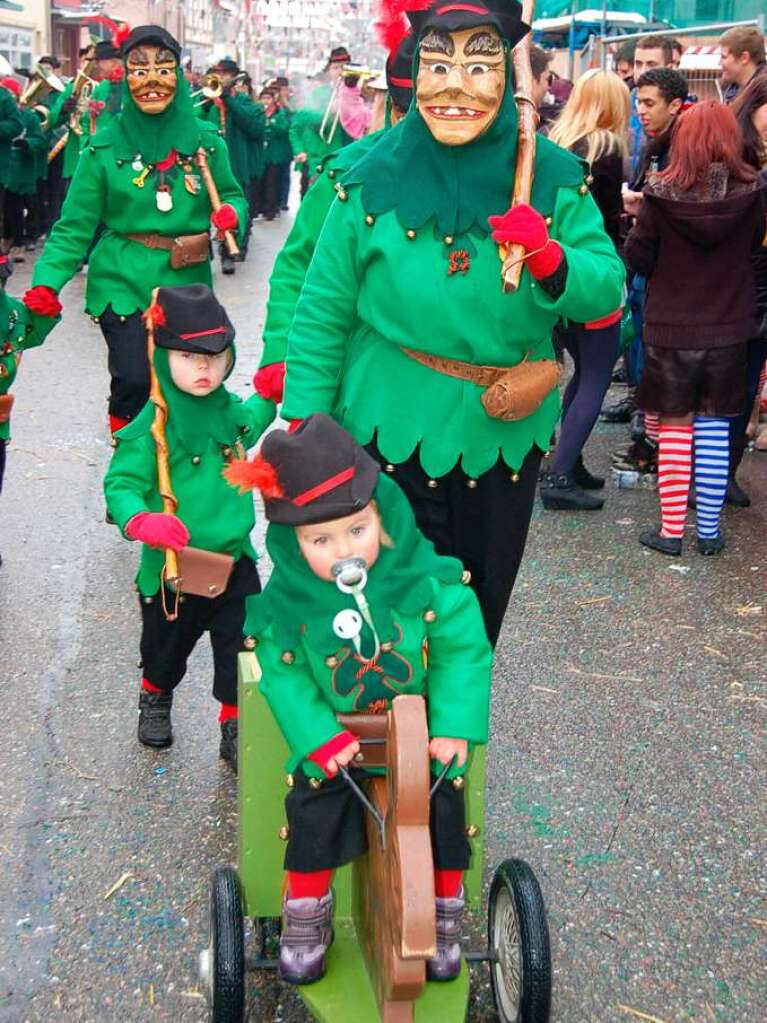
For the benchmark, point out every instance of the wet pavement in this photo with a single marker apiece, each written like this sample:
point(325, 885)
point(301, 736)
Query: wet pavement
point(627, 748)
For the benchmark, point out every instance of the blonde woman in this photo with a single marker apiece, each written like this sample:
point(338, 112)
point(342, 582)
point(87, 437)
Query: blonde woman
point(594, 126)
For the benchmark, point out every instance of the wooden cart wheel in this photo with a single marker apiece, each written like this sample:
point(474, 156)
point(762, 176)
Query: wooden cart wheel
point(222, 963)
point(518, 932)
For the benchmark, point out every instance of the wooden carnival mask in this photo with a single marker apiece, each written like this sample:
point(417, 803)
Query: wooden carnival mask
point(460, 84)
point(151, 74)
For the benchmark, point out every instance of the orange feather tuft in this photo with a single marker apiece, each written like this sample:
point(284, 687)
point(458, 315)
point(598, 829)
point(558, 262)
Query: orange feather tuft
point(257, 474)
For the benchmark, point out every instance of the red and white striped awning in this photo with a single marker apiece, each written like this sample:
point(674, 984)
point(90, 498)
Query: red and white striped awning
point(700, 58)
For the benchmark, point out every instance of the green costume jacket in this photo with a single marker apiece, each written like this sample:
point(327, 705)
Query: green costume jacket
point(217, 517)
point(277, 148)
point(305, 131)
point(375, 286)
point(245, 130)
point(10, 127)
point(21, 329)
point(23, 173)
point(293, 260)
point(122, 272)
point(448, 661)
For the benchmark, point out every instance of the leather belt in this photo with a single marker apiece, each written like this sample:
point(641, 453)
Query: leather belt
point(152, 241)
point(482, 376)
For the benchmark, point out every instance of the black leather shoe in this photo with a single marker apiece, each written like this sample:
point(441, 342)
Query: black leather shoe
point(710, 544)
point(584, 479)
point(227, 264)
point(736, 495)
point(665, 544)
point(154, 727)
point(559, 492)
point(621, 412)
point(228, 748)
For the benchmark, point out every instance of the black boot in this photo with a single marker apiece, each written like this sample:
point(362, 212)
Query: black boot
point(228, 748)
point(736, 495)
point(559, 492)
point(665, 544)
point(584, 479)
point(710, 544)
point(154, 727)
point(227, 263)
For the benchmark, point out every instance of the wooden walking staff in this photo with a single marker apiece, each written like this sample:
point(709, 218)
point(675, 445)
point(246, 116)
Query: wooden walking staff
point(201, 158)
point(513, 255)
point(169, 500)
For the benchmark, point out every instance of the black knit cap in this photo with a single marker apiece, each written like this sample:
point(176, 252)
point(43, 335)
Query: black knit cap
point(322, 471)
point(454, 15)
point(194, 320)
point(106, 50)
point(155, 34)
point(399, 73)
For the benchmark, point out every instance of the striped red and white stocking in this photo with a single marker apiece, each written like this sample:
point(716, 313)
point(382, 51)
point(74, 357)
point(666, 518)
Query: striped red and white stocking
point(674, 473)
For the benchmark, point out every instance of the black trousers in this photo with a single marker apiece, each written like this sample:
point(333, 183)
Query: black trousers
point(128, 365)
point(327, 825)
point(166, 646)
point(3, 446)
point(484, 526)
point(13, 225)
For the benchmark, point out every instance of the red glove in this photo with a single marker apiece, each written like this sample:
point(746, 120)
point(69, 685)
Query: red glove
point(523, 225)
point(42, 300)
point(156, 529)
point(269, 382)
point(293, 425)
point(224, 218)
point(326, 752)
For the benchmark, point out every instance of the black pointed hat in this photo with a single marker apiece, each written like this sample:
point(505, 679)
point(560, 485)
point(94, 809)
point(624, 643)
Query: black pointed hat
point(454, 15)
point(191, 319)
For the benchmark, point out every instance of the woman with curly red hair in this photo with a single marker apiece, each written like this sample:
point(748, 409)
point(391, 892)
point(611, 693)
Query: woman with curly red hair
point(700, 222)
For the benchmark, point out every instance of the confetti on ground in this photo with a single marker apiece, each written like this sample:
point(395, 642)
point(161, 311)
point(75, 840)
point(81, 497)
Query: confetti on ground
point(193, 994)
point(543, 689)
point(749, 608)
point(713, 650)
point(151, 995)
point(757, 921)
point(593, 600)
point(640, 1015)
point(117, 885)
point(681, 569)
point(596, 674)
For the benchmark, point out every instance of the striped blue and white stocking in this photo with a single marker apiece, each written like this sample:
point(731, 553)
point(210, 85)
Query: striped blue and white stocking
point(712, 465)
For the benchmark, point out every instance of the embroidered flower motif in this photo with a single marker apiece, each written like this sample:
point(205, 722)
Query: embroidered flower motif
point(459, 262)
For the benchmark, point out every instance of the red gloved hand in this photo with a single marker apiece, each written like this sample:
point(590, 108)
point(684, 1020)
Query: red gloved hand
point(224, 218)
point(269, 382)
point(42, 300)
point(522, 225)
point(156, 529)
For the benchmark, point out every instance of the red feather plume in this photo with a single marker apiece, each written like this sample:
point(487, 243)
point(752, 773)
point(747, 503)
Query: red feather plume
point(155, 315)
point(257, 474)
point(392, 25)
point(119, 32)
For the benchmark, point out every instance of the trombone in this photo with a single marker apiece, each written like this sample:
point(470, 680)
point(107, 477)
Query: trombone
point(347, 71)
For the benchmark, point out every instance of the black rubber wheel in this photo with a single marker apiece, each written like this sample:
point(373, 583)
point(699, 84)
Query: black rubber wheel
point(222, 963)
point(519, 934)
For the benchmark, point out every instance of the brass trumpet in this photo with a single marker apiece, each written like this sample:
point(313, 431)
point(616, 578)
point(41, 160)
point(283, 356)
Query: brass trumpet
point(351, 71)
point(82, 91)
point(44, 114)
point(40, 83)
point(212, 88)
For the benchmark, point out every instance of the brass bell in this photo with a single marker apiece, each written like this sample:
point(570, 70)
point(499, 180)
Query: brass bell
point(515, 477)
point(389, 467)
point(250, 642)
point(290, 781)
point(549, 221)
point(589, 179)
point(331, 661)
point(471, 484)
point(315, 783)
point(359, 757)
point(430, 616)
point(387, 647)
point(411, 234)
point(284, 833)
point(432, 484)
point(196, 459)
point(466, 577)
point(227, 452)
point(288, 657)
point(370, 220)
point(472, 831)
point(449, 239)
point(342, 196)
point(458, 783)
point(584, 189)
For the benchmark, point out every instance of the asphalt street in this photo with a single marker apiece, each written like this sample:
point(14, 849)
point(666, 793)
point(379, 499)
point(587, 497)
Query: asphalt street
point(627, 751)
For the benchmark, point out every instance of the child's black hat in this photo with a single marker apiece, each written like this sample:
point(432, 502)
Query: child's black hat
point(154, 34)
point(315, 474)
point(504, 15)
point(191, 319)
point(106, 50)
point(338, 55)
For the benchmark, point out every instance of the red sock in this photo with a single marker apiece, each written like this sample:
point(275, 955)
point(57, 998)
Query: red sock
point(447, 883)
point(312, 885)
point(674, 472)
point(228, 712)
point(117, 423)
point(146, 684)
point(652, 426)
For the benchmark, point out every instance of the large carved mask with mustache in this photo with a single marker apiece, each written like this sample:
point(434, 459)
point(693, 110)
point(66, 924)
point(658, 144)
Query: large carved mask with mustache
point(460, 84)
point(151, 74)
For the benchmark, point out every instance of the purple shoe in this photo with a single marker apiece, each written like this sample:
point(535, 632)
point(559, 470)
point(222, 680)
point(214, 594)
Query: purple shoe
point(446, 964)
point(307, 931)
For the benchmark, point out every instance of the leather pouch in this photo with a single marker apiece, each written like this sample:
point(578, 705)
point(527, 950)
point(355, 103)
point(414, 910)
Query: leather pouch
point(203, 573)
point(189, 250)
point(6, 404)
point(519, 391)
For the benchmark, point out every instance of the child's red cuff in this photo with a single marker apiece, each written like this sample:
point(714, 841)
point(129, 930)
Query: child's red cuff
point(328, 750)
point(606, 321)
point(544, 263)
